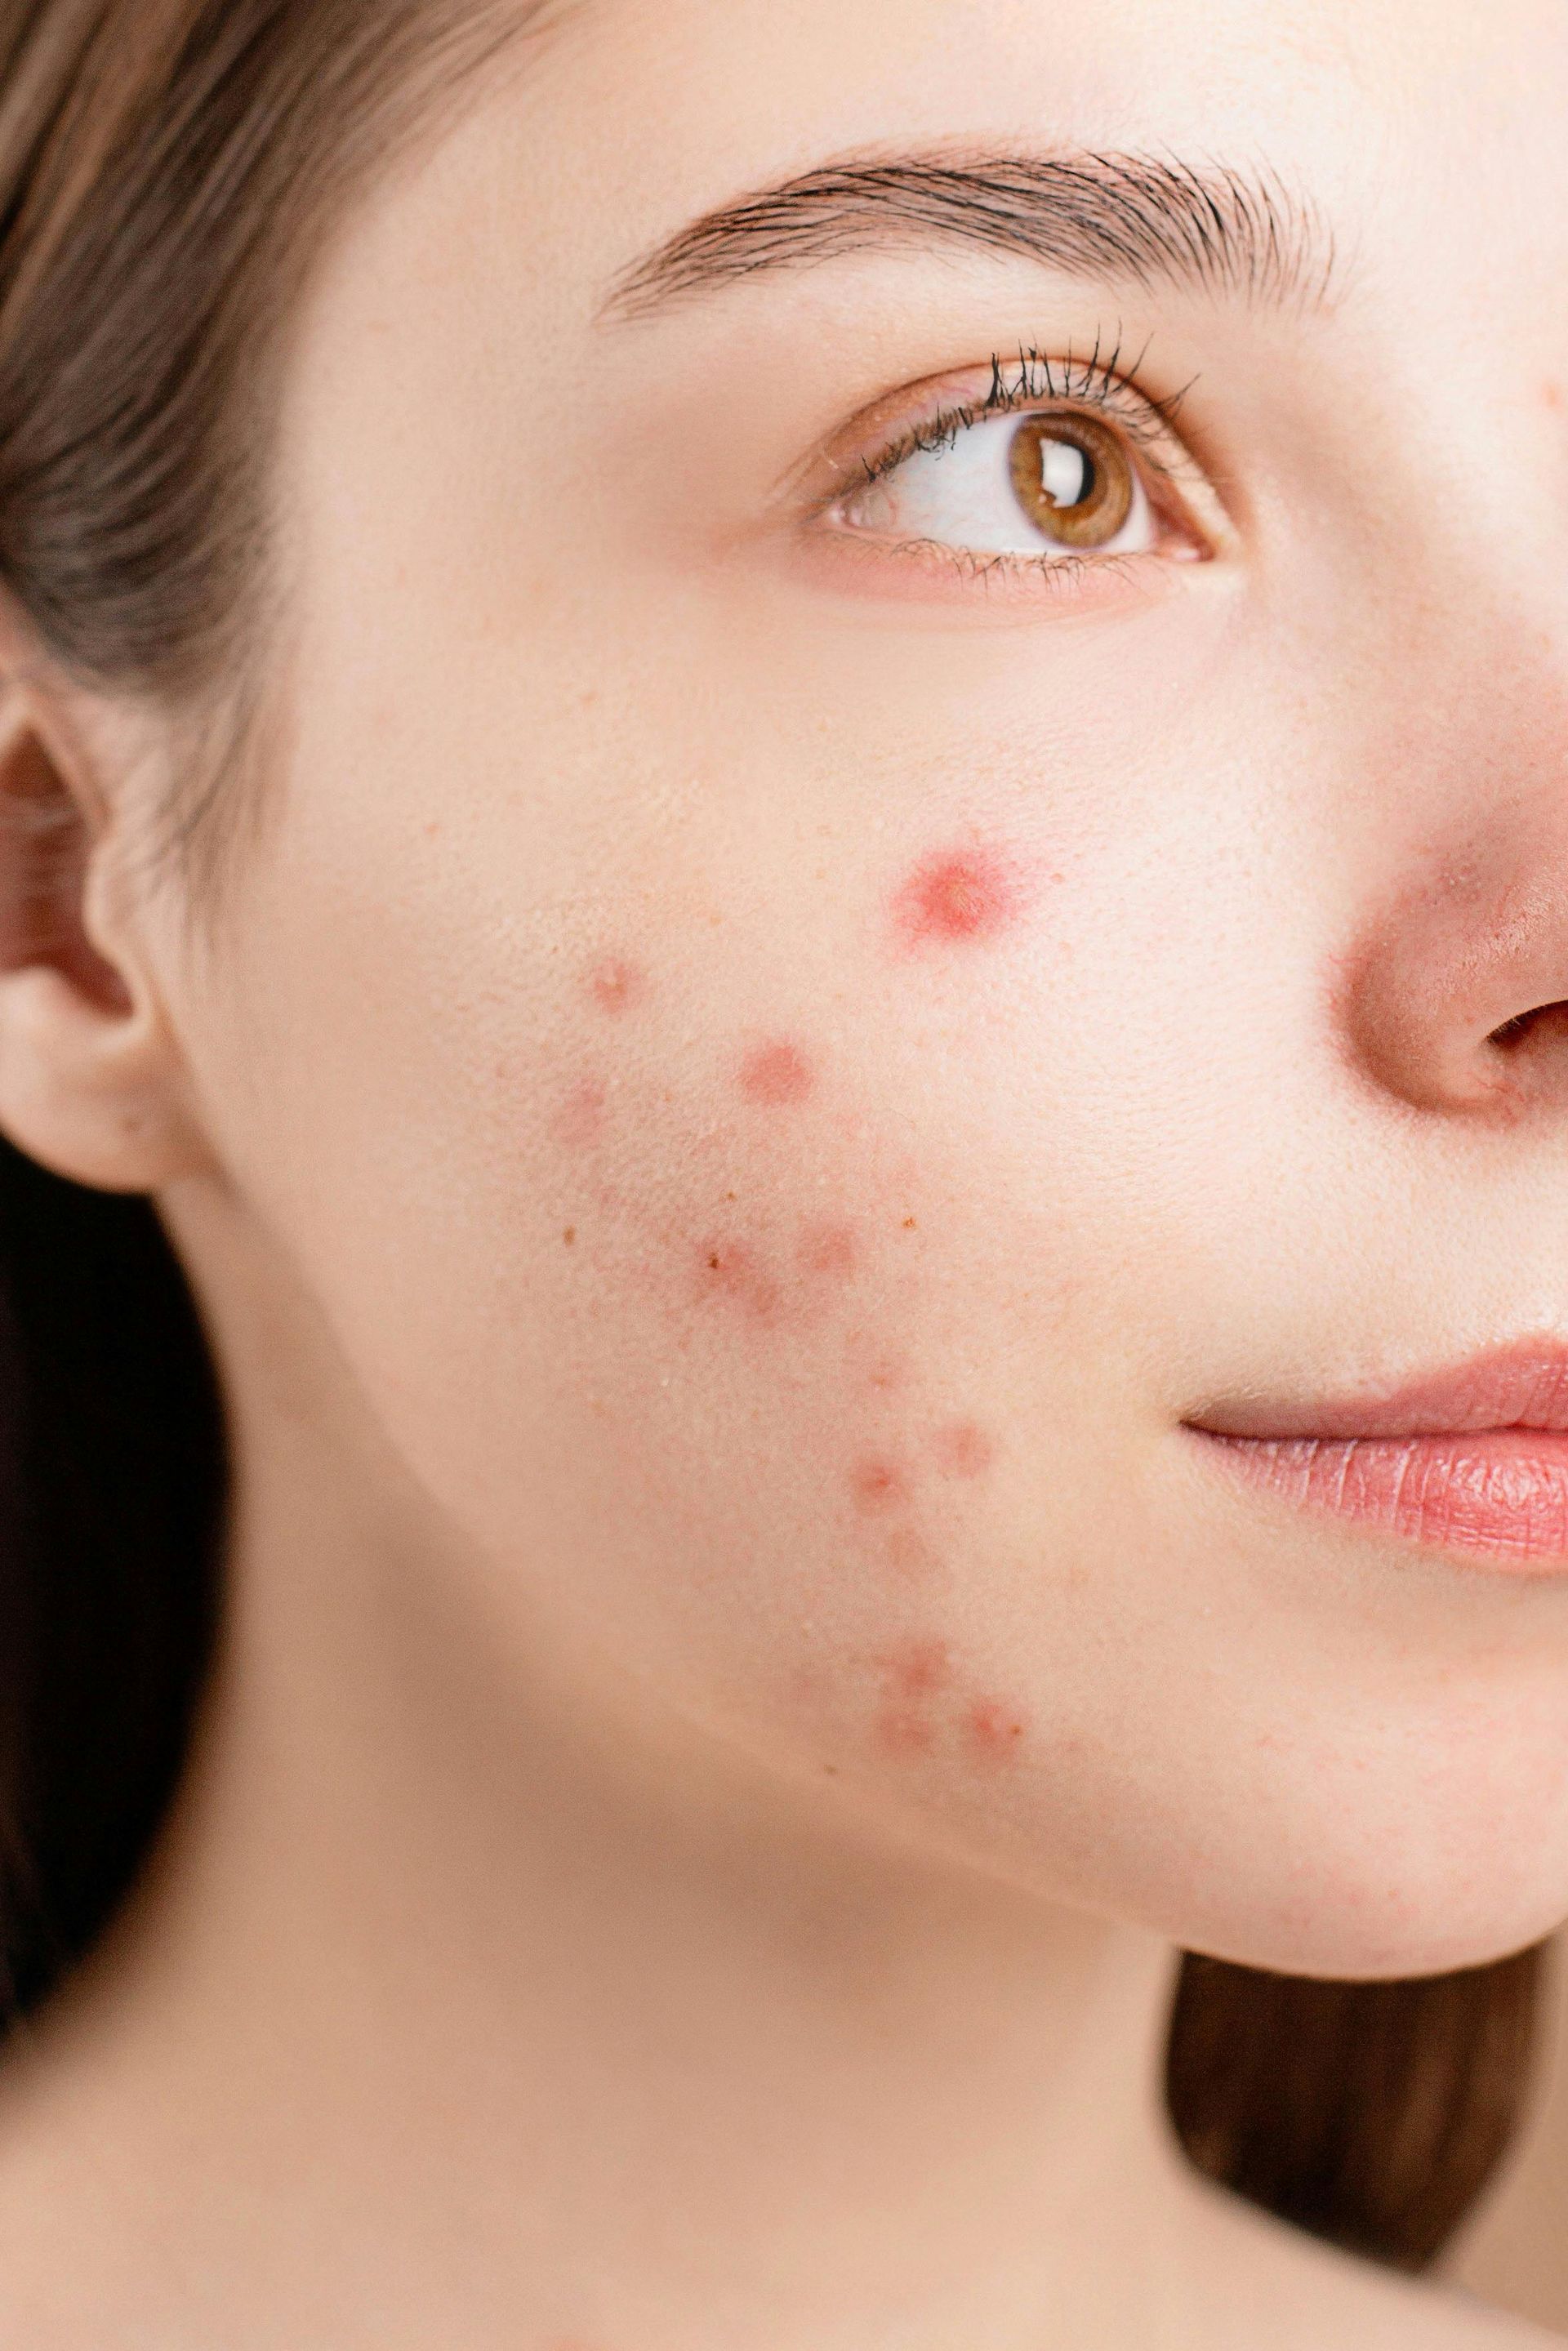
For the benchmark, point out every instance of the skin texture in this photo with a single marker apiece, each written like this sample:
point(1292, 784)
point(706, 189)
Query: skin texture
point(746, 1086)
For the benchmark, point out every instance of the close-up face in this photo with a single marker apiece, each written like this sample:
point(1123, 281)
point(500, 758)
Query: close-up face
point(918, 800)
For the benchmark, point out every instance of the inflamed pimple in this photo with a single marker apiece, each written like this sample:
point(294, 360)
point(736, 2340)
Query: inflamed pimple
point(956, 897)
point(775, 1074)
point(913, 1677)
point(831, 1250)
point(995, 1730)
point(963, 1450)
point(617, 986)
point(729, 1270)
point(917, 1668)
point(878, 1485)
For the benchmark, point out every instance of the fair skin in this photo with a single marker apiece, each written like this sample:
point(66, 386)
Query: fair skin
point(749, 1082)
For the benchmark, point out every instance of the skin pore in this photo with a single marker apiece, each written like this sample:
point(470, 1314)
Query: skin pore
point(759, 1064)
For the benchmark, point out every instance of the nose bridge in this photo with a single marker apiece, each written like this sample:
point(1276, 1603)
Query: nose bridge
point(1452, 994)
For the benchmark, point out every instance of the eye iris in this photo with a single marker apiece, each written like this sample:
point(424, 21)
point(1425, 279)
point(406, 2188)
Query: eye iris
point(1072, 480)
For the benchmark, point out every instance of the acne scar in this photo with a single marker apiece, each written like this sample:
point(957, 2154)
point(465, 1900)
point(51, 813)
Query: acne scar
point(962, 1450)
point(878, 1485)
point(570, 1237)
point(1551, 395)
point(776, 1074)
point(954, 896)
point(617, 986)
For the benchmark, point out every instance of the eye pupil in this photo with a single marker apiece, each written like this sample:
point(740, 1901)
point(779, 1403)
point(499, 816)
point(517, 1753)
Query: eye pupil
point(1074, 478)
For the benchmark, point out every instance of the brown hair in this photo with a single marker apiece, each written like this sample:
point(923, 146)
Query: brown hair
point(168, 172)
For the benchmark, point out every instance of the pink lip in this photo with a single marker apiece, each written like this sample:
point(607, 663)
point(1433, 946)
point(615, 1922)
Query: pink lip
point(1473, 1460)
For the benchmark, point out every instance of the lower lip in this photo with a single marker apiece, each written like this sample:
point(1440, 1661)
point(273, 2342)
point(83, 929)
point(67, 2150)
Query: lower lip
point(1500, 1496)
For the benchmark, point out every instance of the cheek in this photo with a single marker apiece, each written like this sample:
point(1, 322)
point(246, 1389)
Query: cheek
point(755, 1266)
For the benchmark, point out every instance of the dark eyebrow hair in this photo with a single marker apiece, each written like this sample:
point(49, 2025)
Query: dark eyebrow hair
point(1137, 219)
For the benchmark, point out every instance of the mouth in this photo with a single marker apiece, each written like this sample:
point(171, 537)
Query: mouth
point(1472, 1459)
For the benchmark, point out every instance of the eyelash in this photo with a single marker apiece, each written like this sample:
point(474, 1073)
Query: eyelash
point(1098, 383)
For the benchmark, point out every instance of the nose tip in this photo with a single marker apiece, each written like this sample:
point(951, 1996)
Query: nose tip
point(1456, 1000)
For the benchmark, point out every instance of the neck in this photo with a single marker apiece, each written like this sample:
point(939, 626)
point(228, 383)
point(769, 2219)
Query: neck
point(543, 2020)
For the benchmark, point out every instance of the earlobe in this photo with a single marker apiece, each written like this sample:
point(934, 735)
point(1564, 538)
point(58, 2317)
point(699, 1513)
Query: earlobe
point(91, 1083)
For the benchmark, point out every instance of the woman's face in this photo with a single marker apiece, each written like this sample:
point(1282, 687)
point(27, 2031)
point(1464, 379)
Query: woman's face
point(832, 964)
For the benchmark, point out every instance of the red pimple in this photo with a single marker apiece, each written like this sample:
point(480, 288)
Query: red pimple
point(776, 1074)
point(879, 1485)
point(831, 1250)
point(730, 1270)
point(913, 1675)
point(955, 895)
point(918, 1670)
point(617, 986)
point(995, 1730)
point(962, 1450)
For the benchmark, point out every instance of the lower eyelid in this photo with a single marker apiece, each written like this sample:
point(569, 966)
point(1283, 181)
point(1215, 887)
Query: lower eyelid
point(922, 572)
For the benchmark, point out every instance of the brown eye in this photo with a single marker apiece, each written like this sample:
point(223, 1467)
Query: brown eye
point(1073, 477)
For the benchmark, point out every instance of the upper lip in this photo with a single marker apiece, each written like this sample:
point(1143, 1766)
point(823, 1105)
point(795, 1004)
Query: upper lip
point(1523, 1385)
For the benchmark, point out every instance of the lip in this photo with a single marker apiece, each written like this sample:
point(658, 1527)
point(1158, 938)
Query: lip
point(1472, 1459)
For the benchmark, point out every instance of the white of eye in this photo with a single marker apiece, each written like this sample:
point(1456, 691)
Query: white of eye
point(961, 495)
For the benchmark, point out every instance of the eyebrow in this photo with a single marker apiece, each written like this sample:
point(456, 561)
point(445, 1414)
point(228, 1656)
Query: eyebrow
point(1134, 219)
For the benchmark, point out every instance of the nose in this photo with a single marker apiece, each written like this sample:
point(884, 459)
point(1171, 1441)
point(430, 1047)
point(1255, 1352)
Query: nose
point(1455, 996)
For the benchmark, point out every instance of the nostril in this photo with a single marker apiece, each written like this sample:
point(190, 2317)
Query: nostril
point(1524, 1024)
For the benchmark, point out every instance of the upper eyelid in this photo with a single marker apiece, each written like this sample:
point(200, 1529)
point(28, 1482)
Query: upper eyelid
point(1148, 423)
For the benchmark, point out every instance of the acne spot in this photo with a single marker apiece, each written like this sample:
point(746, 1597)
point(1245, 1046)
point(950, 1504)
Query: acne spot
point(830, 1250)
point(581, 1121)
point(918, 1670)
point(775, 1075)
point(568, 1237)
point(955, 896)
point(617, 986)
point(913, 1675)
point(963, 1450)
point(878, 1485)
point(728, 1269)
point(995, 1730)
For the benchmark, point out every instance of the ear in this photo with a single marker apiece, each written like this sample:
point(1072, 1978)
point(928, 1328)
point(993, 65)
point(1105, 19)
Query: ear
point(92, 1085)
